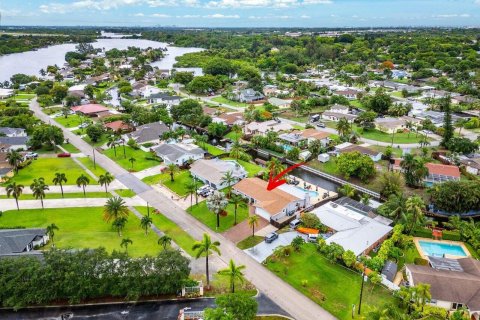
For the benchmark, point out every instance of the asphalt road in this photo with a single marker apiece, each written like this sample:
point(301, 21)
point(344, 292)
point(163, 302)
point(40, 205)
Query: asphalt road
point(164, 310)
point(288, 298)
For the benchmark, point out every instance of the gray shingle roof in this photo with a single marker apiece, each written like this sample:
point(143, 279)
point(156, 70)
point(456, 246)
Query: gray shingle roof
point(15, 141)
point(11, 131)
point(16, 240)
point(175, 151)
point(149, 132)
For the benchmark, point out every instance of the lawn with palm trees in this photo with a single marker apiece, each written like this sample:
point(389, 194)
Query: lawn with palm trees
point(207, 217)
point(85, 228)
point(179, 185)
point(143, 160)
point(332, 286)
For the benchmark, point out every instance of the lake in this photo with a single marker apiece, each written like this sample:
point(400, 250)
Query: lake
point(31, 62)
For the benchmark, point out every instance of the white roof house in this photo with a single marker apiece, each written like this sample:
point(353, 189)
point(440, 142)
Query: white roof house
point(264, 127)
point(355, 229)
point(212, 171)
point(179, 153)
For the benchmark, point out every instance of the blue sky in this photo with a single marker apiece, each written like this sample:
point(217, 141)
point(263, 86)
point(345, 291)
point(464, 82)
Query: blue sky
point(242, 13)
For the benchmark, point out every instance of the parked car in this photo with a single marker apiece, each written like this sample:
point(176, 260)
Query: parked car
point(64, 155)
point(321, 125)
point(31, 155)
point(313, 238)
point(269, 238)
point(84, 125)
point(205, 191)
point(295, 223)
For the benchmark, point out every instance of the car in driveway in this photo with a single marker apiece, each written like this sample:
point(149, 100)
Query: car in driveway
point(31, 155)
point(64, 155)
point(269, 238)
point(321, 125)
point(84, 125)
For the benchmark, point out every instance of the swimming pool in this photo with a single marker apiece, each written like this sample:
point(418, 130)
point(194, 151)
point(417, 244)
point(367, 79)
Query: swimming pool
point(440, 249)
point(311, 192)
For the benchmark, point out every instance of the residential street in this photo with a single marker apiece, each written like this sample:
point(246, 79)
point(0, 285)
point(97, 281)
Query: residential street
point(288, 298)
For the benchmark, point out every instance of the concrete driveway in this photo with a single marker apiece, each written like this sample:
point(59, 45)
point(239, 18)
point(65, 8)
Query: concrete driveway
point(263, 250)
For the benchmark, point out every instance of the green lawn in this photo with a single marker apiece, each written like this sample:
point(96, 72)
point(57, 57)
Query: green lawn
point(85, 228)
point(46, 168)
point(234, 136)
point(179, 236)
point(143, 159)
point(249, 242)
point(214, 151)
point(201, 213)
point(87, 162)
point(226, 101)
point(252, 168)
point(181, 179)
point(329, 167)
point(103, 139)
point(70, 148)
point(331, 286)
point(71, 122)
point(71, 195)
point(397, 94)
point(24, 96)
point(378, 135)
point(126, 193)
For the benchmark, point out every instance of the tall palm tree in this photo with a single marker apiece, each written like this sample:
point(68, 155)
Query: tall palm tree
point(191, 190)
point(38, 188)
point(83, 181)
point(237, 201)
point(253, 222)
point(105, 180)
point(51, 230)
point(132, 160)
point(114, 208)
point(422, 294)
point(14, 158)
point(112, 143)
point(145, 223)
point(172, 170)
point(275, 166)
point(201, 140)
point(237, 130)
point(15, 190)
point(205, 248)
point(237, 152)
point(228, 179)
point(164, 241)
point(347, 190)
point(125, 243)
point(415, 215)
point(60, 179)
point(234, 273)
point(344, 127)
point(119, 224)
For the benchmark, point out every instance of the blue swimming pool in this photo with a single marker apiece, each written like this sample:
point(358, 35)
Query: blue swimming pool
point(439, 249)
point(311, 192)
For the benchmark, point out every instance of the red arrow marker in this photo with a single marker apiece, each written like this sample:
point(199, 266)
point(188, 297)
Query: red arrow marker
point(274, 182)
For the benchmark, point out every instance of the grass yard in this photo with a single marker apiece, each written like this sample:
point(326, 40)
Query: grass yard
point(103, 139)
point(329, 167)
point(70, 148)
point(71, 122)
point(378, 135)
point(249, 242)
point(330, 285)
point(234, 136)
point(126, 193)
point(252, 168)
point(70, 195)
point(178, 185)
point(87, 162)
point(228, 102)
point(201, 213)
point(85, 228)
point(46, 168)
point(24, 96)
point(144, 160)
point(179, 236)
point(214, 151)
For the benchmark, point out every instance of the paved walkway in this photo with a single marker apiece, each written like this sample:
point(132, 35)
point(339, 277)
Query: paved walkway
point(288, 298)
point(149, 172)
point(263, 250)
point(243, 230)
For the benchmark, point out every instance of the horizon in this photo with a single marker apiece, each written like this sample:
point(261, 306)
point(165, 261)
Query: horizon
point(250, 14)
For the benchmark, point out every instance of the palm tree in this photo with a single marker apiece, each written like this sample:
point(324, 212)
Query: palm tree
point(409, 126)
point(237, 152)
point(60, 179)
point(164, 241)
point(125, 243)
point(205, 248)
point(191, 190)
point(38, 188)
point(460, 124)
point(365, 199)
point(14, 158)
point(228, 179)
point(145, 223)
point(105, 180)
point(114, 208)
point(172, 170)
point(201, 140)
point(347, 190)
point(15, 190)
point(415, 207)
point(216, 203)
point(422, 294)
point(83, 181)
point(112, 143)
point(51, 230)
point(344, 127)
point(119, 224)
point(234, 273)
point(253, 222)
point(275, 166)
point(237, 201)
point(237, 130)
point(132, 160)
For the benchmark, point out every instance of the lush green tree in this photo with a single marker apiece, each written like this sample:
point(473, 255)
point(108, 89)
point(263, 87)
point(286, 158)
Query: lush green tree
point(347, 190)
point(233, 306)
point(414, 170)
point(164, 241)
point(344, 127)
point(391, 183)
point(394, 208)
point(234, 273)
point(172, 169)
point(462, 145)
point(183, 77)
point(83, 181)
point(456, 196)
point(60, 178)
point(219, 66)
point(14, 158)
point(237, 201)
point(51, 228)
point(204, 84)
point(447, 121)
point(15, 190)
point(105, 180)
point(38, 188)
point(115, 208)
point(188, 111)
point(217, 202)
point(380, 102)
point(366, 120)
point(253, 222)
point(238, 153)
point(95, 132)
point(46, 135)
point(146, 223)
point(59, 92)
point(217, 129)
point(349, 258)
point(119, 224)
point(297, 243)
point(293, 153)
point(355, 164)
point(205, 248)
point(311, 220)
point(125, 243)
point(415, 212)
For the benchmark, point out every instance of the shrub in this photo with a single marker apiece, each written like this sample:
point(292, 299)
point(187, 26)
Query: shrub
point(420, 262)
point(451, 235)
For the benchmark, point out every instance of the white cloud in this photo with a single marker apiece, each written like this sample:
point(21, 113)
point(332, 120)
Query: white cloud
point(189, 16)
point(87, 4)
point(304, 16)
point(453, 15)
point(263, 3)
point(160, 15)
point(139, 15)
point(222, 16)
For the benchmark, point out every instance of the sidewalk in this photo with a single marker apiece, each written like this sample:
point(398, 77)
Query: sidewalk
point(149, 172)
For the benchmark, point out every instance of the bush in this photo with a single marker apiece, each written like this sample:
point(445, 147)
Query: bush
point(423, 233)
point(451, 235)
point(420, 262)
point(148, 144)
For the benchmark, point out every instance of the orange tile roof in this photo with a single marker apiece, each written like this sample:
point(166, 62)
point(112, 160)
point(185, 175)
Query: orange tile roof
point(89, 108)
point(271, 201)
point(313, 133)
point(118, 125)
point(443, 169)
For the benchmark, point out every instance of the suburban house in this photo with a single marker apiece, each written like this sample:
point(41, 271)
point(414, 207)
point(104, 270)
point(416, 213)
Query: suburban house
point(337, 112)
point(6, 170)
point(148, 91)
point(436, 117)
point(15, 242)
point(277, 205)
point(392, 125)
point(281, 103)
point(355, 226)
point(91, 110)
point(438, 94)
point(212, 171)
point(119, 126)
point(13, 132)
point(266, 126)
point(77, 90)
point(463, 100)
point(13, 143)
point(471, 165)
point(438, 173)
point(294, 138)
point(350, 94)
point(349, 147)
point(6, 93)
point(314, 134)
point(229, 119)
point(271, 90)
point(179, 153)
point(150, 132)
point(454, 283)
point(248, 95)
point(164, 98)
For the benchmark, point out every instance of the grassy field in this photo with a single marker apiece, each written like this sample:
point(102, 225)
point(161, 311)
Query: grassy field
point(87, 162)
point(70, 195)
point(233, 136)
point(179, 236)
point(226, 101)
point(144, 160)
point(249, 242)
point(214, 151)
point(24, 96)
point(386, 137)
point(70, 148)
point(46, 168)
point(99, 143)
point(71, 122)
point(177, 186)
point(252, 168)
point(201, 213)
point(331, 286)
point(126, 193)
point(85, 228)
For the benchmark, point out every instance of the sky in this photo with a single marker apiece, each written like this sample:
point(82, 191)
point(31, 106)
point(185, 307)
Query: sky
point(242, 13)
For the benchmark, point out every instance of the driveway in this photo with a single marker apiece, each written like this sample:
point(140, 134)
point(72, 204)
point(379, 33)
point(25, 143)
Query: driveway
point(243, 230)
point(263, 250)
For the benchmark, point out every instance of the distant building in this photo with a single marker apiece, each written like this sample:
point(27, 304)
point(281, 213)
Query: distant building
point(13, 132)
point(348, 147)
point(248, 96)
point(91, 110)
point(13, 143)
point(14, 242)
point(438, 173)
point(164, 98)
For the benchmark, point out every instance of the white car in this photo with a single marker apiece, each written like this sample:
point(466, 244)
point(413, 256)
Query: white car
point(84, 125)
point(31, 155)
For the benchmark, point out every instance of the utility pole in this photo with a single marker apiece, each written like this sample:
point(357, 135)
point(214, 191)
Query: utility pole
point(94, 162)
point(361, 291)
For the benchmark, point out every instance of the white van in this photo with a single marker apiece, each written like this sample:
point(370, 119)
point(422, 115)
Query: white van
point(295, 223)
point(313, 237)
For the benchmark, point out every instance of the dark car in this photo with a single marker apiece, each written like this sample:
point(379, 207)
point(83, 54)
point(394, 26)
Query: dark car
point(64, 155)
point(269, 238)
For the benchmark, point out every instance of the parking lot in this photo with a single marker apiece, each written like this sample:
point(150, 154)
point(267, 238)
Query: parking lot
point(263, 250)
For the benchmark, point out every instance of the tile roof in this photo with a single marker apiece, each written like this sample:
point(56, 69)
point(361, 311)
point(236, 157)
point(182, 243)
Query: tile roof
point(118, 125)
point(315, 134)
point(443, 169)
point(90, 108)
